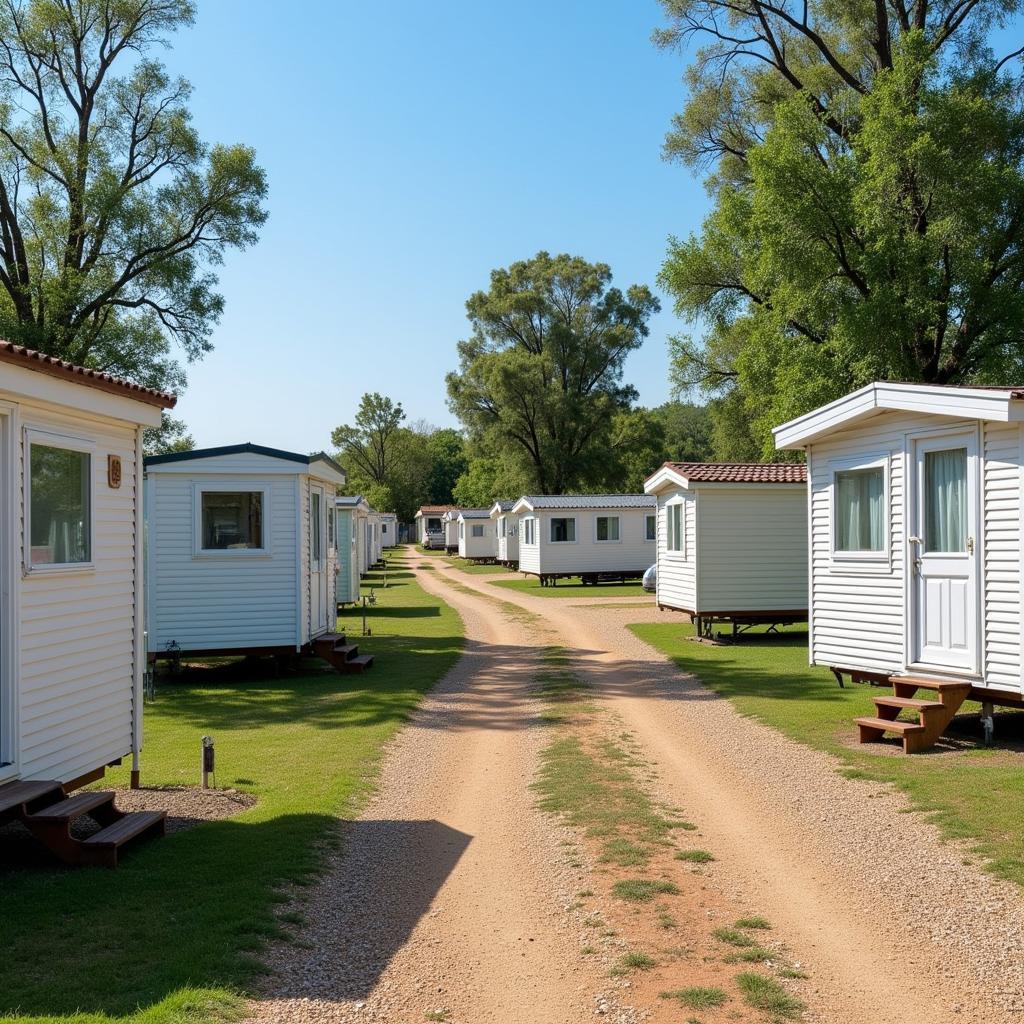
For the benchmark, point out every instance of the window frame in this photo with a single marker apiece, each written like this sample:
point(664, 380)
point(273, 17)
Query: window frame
point(679, 553)
point(201, 487)
point(575, 530)
point(868, 559)
point(650, 517)
point(68, 442)
point(609, 540)
point(529, 524)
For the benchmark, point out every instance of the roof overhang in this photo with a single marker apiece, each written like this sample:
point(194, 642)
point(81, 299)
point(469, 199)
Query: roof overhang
point(1001, 405)
point(663, 479)
point(522, 505)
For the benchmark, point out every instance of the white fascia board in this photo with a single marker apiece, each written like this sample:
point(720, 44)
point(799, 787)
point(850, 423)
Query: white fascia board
point(522, 505)
point(956, 403)
point(320, 470)
point(665, 479)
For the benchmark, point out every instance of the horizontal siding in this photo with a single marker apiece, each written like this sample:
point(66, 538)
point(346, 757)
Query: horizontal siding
point(752, 549)
point(479, 547)
point(209, 602)
point(76, 630)
point(1002, 567)
point(632, 552)
point(677, 571)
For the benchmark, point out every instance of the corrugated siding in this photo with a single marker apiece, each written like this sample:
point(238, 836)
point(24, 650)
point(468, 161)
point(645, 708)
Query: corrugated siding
point(1002, 510)
point(209, 602)
point(677, 571)
point(77, 630)
point(631, 553)
point(752, 548)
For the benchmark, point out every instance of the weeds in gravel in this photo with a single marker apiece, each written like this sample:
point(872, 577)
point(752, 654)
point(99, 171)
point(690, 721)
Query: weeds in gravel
point(667, 921)
point(793, 972)
point(632, 962)
point(768, 996)
point(694, 856)
point(624, 853)
point(437, 1015)
point(733, 937)
point(751, 955)
point(755, 923)
point(697, 998)
point(643, 890)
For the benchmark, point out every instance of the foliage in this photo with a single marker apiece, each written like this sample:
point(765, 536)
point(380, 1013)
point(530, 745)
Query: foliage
point(687, 431)
point(447, 455)
point(171, 436)
point(540, 377)
point(112, 209)
point(866, 169)
point(366, 447)
point(184, 918)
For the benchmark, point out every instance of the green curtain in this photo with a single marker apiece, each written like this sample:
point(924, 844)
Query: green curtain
point(945, 500)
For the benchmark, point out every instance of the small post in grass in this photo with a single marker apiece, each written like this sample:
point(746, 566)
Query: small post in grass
point(208, 762)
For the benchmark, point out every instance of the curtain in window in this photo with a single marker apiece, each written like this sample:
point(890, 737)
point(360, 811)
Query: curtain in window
point(860, 521)
point(945, 498)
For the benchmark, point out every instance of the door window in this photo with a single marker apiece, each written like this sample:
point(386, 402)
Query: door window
point(945, 501)
point(316, 527)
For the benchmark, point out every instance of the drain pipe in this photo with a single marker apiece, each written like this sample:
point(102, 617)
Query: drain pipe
point(140, 633)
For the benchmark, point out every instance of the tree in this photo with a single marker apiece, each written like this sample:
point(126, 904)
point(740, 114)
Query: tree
point(446, 450)
point(367, 446)
point(687, 431)
point(866, 168)
point(112, 209)
point(635, 449)
point(540, 377)
point(171, 436)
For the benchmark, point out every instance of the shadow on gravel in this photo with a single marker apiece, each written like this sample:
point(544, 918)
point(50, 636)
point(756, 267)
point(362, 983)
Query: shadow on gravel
point(383, 883)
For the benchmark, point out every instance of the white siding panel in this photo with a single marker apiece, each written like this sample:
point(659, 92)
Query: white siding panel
point(677, 571)
point(632, 553)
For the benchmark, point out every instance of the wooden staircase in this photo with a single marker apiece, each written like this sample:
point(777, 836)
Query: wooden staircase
point(932, 715)
point(49, 814)
point(337, 651)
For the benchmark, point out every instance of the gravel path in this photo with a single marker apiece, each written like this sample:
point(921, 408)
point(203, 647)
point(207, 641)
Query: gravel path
point(891, 921)
point(448, 899)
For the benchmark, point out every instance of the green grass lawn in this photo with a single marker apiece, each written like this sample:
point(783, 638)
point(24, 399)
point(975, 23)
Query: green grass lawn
point(174, 935)
point(474, 568)
point(573, 588)
point(972, 793)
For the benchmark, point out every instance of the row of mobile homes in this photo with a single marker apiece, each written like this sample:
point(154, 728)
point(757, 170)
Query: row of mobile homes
point(476, 534)
point(240, 550)
point(915, 504)
point(72, 648)
point(429, 525)
point(506, 534)
point(732, 542)
point(350, 513)
point(593, 536)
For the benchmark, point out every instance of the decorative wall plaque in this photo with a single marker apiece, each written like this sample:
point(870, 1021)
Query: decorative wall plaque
point(114, 471)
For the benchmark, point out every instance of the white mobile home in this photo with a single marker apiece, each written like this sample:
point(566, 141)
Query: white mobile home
point(72, 652)
point(240, 550)
point(915, 533)
point(476, 534)
point(450, 525)
point(593, 536)
point(349, 514)
point(506, 533)
point(388, 530)
point(429, 522)
point(732, 541)
point(374, 550)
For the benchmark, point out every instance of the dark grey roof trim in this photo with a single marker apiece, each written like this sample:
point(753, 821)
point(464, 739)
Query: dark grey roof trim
point(236, 449)
point(475, 513)
point(569, 501)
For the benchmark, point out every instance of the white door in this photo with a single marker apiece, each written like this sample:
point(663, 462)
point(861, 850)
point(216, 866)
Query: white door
point(943, 550)
point(317, 560)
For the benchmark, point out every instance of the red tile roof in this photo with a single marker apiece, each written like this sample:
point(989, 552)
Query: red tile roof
point(429, 510)
point(33, 360)
point(741, 472)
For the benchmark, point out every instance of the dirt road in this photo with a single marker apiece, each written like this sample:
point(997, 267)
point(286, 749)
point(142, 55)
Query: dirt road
point(453, 899)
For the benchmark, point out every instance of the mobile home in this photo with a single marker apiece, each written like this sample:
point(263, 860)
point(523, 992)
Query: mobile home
point(72, 650)
point(732, 542)
point(593, 536)
point(388, 530)
point(506, 533)
point(240, 550)
point(349, 514)
point(430, 525)
point(914, 501)
point(476, 534)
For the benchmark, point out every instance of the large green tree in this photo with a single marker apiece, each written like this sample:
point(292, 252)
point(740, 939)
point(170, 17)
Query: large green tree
point(540, 377)
point(865, 162)
point(113, 211)
point(368, 446)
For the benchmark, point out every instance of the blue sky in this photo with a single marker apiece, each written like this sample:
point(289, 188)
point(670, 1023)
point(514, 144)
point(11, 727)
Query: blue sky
point(411, 148)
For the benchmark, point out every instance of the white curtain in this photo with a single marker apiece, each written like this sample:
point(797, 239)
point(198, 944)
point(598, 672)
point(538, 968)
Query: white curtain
point(860, 519)
point(945, 500)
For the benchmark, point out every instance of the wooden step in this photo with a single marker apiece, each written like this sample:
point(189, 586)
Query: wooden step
point(71, 808)
point(347, 651)
point(19, 798)
point(360, 663)
point(925, 683)
point(102, 848)
point(907, 702)
point(889, 725)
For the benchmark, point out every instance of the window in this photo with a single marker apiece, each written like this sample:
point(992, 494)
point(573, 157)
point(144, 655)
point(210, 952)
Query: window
point(462, 530)
point(529, 531)
point(675, 522)
point(607, 528)
point(330, 528)
point(501, 526)
point(945, 501)
point(315, 526)
point(650, 527)
point(433, 525)
point(383, 527)
point(59, 512)
point(860, 510)
point(478, 531)
point(232, 520)
point(563, 531)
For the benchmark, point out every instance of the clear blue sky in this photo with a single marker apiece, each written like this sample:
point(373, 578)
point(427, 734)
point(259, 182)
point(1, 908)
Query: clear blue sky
point(410, 149)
